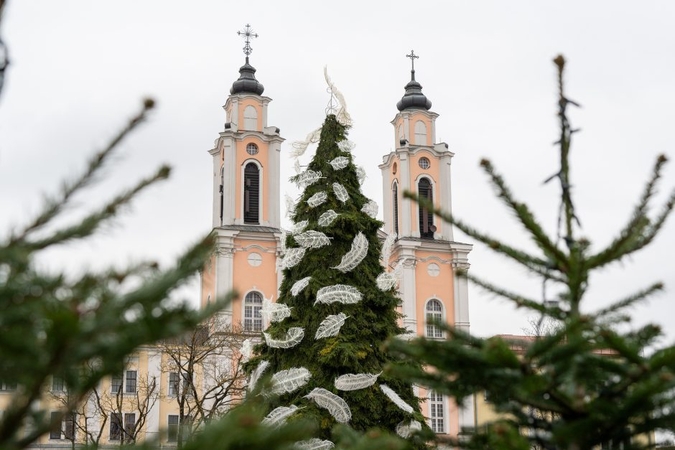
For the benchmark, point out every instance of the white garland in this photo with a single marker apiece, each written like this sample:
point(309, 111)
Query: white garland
point(339, 163)
point(387, 247)
point(327, 218)
point(286, 381)
point(293, 257)
point(314, 444)
point(340, 293)
point(317, 199)
point(256, 374)
point(299, 285)
point(274, 312)
point(394, 397)
point(370, 208)
point(293, 337)
point(361, 174)
point(307, 178)
point(312, 239)
point(246, 350)
point(353, 257)
point(406, 429)
point(336, 406)
point(278, 416)
point(330, 326)
point(346, 146)
point(299, 227)
point(340, 192)
point(353, 382)
point(299, 147)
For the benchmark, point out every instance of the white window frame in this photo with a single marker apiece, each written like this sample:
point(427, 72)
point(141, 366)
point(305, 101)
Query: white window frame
point(437, 412)
point(420, 133)
point(253, 316)
point(433, 331)
point(260, 189)
point(250, 118)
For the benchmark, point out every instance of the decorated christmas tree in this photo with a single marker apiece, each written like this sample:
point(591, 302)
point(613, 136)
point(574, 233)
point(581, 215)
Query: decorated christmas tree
point(337, 306)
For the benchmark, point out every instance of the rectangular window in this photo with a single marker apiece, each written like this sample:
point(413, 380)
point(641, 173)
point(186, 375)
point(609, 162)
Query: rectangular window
point(69, 426)
point(55, 426)
point(116, 384)
point(57, 384)
point(174, 380)
point(129, 426)
point(131, 381)
point(4, 386)
point(115, 426)
point(436, 412)
point(172, 428)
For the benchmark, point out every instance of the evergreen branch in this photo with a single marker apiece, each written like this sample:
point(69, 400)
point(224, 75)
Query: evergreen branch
point(54, 206)
point(630, 300)
point(92, 222)
point(525, 217)
point(638, 232)
point(532, 263)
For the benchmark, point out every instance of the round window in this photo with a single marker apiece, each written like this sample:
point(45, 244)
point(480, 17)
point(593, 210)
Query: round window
point(424, 163)
point(252, 149)
point(254, 259)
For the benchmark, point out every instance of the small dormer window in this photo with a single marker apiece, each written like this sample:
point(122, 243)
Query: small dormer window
point(424, 163)
point(252, 149)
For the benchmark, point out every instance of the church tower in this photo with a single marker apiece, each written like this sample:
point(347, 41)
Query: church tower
point(246, 209)
point(429, 287)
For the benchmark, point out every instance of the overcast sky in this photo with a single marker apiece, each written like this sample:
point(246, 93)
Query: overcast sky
point(79, 68)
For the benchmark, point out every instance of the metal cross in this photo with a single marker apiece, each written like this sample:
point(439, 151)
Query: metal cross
point(412, 57)
point(248, 35)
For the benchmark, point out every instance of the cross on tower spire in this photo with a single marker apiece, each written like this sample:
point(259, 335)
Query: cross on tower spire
point(412, 57)
point(248, 35)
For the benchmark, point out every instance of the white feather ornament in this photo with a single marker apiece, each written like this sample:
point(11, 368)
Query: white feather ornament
point(340, 293)
point(353, 382)
point(330, 326)
point(346, 146)
point(317, 199)
point(290, 206)
point(278, 416)
point(296, 166)
point(289, 380)
point(246, 350)
point(339, 163)
point(370, 208)
point(361, 174)
point(327, 218)
point(312, 239)
point(300, 285)
point(335, 405)
point(293, 337)
point(256, 374)
point(299, 147)
point(394, 397)
point(274, 312)
point(341, 115)
point(314, 444)
point(404, 429)
point(386, 281)
point(293, 257)
point(307, 178)
point(340, 192)
point(299, 227)
point(353, 257)
point(387, 247)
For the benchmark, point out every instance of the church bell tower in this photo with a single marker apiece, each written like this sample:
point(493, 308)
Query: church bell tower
point(246, 210)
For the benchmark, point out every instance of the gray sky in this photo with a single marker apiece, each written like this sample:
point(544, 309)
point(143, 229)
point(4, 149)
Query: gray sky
point(79, 68)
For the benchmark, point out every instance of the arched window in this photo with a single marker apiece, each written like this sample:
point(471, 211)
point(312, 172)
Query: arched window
point(394, 202)
point(250, 118)
point(253, 312)
point(427, 227)
point(221, 191)
point(251, 193)
point(436, 412)
point(434, 310)
point(420, 133)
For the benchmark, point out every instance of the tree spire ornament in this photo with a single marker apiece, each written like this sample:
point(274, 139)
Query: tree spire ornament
point(332, 294)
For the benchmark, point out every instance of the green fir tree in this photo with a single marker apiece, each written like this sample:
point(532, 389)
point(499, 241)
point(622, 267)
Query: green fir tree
point(591, 383)
point(331, 319)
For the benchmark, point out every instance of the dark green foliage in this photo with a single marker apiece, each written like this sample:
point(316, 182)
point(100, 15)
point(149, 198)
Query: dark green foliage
point(80, 329)
point(586, 384)
point(358, 346)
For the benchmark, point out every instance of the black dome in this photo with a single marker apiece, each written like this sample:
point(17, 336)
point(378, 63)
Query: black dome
point(247, 81)
point(413, 97)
